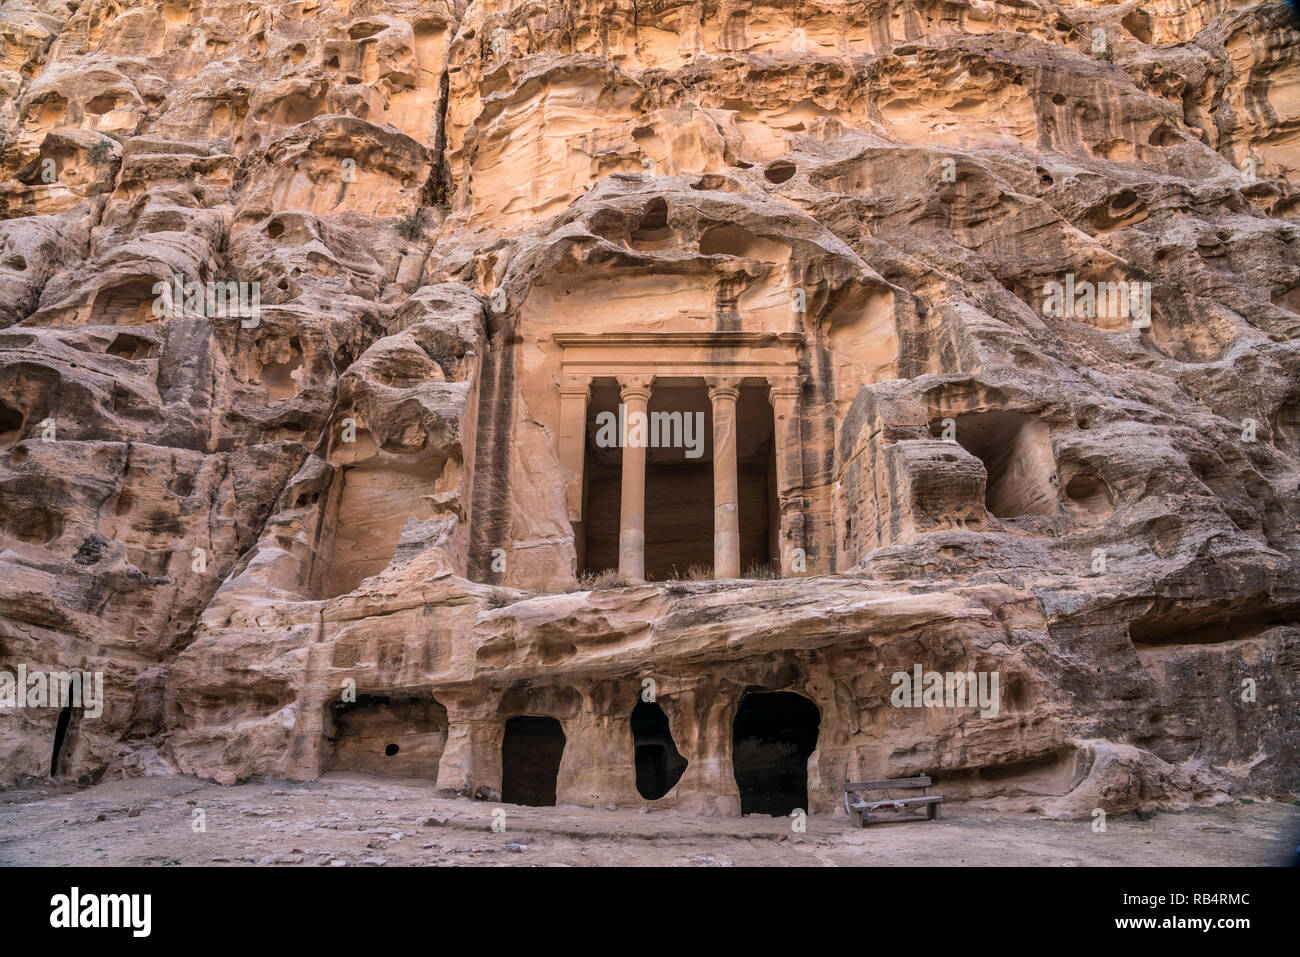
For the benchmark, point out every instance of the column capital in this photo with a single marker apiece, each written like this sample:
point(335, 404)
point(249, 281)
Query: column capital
point(783, 387)
point(635, 386)
point(723, 386)
point(573, 384)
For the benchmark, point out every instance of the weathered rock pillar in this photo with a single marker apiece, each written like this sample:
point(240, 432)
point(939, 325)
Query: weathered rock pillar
point(599, 765)
point(783, 392)
point(471, 760)
point(635, 391)
point(574, 392)
point(723, 393)
point(704, 720)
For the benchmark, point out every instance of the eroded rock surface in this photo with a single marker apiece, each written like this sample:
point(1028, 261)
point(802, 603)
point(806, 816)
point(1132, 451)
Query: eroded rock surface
point(363, 528)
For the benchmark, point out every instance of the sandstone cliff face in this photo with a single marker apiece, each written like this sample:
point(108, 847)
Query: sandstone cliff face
point(350, 529)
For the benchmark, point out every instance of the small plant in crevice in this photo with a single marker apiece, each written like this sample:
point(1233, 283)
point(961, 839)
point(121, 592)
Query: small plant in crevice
point(101, 152)
point(498, 598)
point(699, 573)
point(591, 581)
point(409, 226)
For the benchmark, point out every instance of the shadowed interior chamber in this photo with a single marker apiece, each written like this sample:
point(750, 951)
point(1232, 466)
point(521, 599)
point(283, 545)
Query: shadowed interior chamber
point(773, 736)
point(530, 760)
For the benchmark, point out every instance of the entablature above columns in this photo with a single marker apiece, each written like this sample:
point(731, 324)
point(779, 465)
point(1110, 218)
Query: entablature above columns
point(673, 355)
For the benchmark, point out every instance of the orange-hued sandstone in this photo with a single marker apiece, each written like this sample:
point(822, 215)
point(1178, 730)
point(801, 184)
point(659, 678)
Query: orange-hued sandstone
point(832, 256)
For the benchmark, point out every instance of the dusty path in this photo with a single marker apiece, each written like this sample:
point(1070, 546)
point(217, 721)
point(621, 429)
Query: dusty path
point(348, 820)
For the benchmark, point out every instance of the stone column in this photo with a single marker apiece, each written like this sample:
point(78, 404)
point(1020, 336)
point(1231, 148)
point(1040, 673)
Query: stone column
point(574, 392)
point(306, 749)
point(599, 765)
point(783, 392)
point(723, 393)
point(635, 392)
point(470, 765)
point(705, 716)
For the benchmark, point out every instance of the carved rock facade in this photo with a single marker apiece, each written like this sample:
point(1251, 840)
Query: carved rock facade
point(375, 526)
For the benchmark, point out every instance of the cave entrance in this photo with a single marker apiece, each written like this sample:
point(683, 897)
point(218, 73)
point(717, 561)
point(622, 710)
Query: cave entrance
point(530, 760)
point(679, 532)
point(659, 765)
point(393, 735)
point(773, 736)
point(11, 425)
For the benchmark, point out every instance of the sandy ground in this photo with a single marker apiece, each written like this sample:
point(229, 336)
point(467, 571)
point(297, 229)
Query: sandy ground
point(347, 820)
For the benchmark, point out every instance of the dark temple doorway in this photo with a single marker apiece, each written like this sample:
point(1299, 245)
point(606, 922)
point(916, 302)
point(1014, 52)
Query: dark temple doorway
point(679, 482)
point(773, 736)
point(530, 760)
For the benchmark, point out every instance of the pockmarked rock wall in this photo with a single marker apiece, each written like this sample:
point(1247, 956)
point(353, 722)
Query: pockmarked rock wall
point(309, 312)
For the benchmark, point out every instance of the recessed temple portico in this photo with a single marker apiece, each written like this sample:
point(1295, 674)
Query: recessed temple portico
point(646, 367)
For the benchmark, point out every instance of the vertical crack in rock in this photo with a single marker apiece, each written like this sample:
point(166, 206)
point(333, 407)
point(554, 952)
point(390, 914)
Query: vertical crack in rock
point(439, 186)
point(491, 508)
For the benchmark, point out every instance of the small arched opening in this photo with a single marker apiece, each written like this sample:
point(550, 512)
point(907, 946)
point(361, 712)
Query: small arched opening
point(659, 765)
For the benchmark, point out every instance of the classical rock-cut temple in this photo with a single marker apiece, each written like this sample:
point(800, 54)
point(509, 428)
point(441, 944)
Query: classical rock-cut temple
point(383, 528)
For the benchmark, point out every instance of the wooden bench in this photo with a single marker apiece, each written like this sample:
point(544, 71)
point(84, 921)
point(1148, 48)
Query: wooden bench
point(855, 803)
